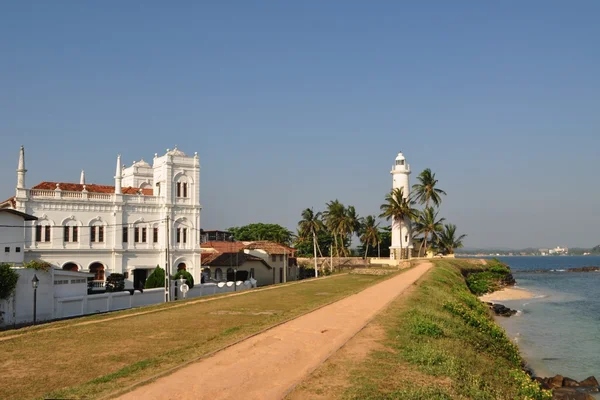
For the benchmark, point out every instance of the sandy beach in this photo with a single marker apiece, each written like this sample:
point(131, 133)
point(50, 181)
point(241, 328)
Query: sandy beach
point(507, 294)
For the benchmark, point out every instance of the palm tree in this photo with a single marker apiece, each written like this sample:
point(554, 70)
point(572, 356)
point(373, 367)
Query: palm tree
point(310, 225)
point(349, 225)
point(447, 240)
point(427, 223)
point(333, 217)
point(370, 233)
point(425, 191)
point(399, 209)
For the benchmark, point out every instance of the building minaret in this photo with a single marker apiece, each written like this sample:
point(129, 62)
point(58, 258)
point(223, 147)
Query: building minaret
point(118, 176)
point(401, 237)
point(21, 170)
point(82, 178)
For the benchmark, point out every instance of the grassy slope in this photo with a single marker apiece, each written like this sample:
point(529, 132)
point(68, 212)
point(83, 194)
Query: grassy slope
point(438, 343)
point(93, 360)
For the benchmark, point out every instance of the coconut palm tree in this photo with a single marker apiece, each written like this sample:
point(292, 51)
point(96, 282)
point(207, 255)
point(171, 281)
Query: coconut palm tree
point(398, 209)
point(370, 233)
point(448, 241)
point(427, 223)
point(333, 217)
point(425, 190)
point(310, 225)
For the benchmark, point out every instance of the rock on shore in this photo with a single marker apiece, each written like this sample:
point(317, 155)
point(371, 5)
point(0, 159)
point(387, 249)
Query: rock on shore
point(564, 388)
point(501, 310)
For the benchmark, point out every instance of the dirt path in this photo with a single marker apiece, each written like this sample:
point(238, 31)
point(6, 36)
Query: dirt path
point(269, 365)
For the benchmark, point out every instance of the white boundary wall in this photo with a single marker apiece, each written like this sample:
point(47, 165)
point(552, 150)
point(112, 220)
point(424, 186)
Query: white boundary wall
point(53, 302)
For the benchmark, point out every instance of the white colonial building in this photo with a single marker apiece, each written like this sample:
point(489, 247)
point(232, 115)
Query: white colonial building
point(402, 245)
point(117, 229)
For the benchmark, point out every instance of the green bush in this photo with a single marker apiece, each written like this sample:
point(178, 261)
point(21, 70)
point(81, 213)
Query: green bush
point(8, 281)
point(115, 283)
point(189, 279)
point(39, 265)
point(156, 279)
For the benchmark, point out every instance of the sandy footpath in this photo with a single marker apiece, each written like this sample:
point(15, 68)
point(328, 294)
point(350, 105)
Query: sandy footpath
point(507, 294)
point(270, 364)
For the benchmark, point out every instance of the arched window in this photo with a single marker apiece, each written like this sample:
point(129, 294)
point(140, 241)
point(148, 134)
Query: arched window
point(71, 230)
point(98, 270)
point(218, 274)
point(43, 230)
point(182, 186)
point(97, 231)
point(70, 267)
point(181, 266)
point(207, 272)
point(230, 275)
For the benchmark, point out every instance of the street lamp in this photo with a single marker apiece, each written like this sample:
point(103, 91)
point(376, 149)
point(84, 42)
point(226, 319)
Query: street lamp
point(34, 283)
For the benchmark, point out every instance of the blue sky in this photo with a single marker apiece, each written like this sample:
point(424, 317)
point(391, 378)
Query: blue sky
point(292, 104)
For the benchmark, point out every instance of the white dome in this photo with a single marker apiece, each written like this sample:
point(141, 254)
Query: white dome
point(400, 156)
point(142, 164)
point(175, 152)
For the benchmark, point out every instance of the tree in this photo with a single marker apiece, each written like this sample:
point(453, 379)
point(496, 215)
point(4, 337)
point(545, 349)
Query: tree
point(156, 279)
point(115, 283)
point(309, 226)
point(333, 217)
point(8, 280)
point(448, 240)
point(427, 223)
point(189, 279)
point(351, 225)
point(370, 233)
point(425, 191)
point(304, 246)
point(260, 231)
point(398, 209)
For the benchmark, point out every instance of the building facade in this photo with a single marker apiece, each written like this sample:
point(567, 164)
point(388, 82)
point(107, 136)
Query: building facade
point(402, 245)
point(126, 228)
point(12, 235)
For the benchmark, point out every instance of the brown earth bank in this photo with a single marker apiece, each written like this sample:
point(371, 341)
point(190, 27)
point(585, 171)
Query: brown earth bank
point(269, 365)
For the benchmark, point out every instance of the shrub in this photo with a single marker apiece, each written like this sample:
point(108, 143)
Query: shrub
point(115, 283)
point(156, 279)
point(8, 281)
point(189, 279)
point(39, 265)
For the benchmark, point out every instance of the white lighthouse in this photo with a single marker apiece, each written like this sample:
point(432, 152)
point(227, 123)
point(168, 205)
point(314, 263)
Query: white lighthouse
point(401, 238)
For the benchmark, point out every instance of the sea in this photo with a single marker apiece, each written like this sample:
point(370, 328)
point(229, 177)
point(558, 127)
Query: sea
point(557, 331)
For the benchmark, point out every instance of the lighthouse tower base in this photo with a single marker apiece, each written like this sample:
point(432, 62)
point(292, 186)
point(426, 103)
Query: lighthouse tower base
point(397, 253)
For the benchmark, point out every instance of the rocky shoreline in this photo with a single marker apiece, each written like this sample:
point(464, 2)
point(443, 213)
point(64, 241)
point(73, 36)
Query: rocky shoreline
point(543, 271)
point(564, 388)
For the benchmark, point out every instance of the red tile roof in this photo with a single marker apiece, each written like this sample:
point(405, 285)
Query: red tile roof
point(271, 247)
point(9, 203)
point(230, 260)
point(225, 247)
point(92, 188)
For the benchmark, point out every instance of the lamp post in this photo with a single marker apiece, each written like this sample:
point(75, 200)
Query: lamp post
point(235, 279)
point(34, 283)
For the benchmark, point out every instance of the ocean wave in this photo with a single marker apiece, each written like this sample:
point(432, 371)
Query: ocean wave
point(540, 296)
point(519, 312)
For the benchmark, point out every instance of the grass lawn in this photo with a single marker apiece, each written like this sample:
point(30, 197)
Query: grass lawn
point(439, 342)
point(92, 360)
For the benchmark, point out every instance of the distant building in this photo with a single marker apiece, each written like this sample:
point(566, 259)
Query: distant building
point(12, 235)
point(558, 251)
point(267, 262)
point(215, 236)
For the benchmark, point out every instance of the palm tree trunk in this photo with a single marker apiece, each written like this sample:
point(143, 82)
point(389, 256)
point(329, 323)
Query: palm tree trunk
point(315, 253)
point(401, 238)
point(367, 250)
point(378, 249)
